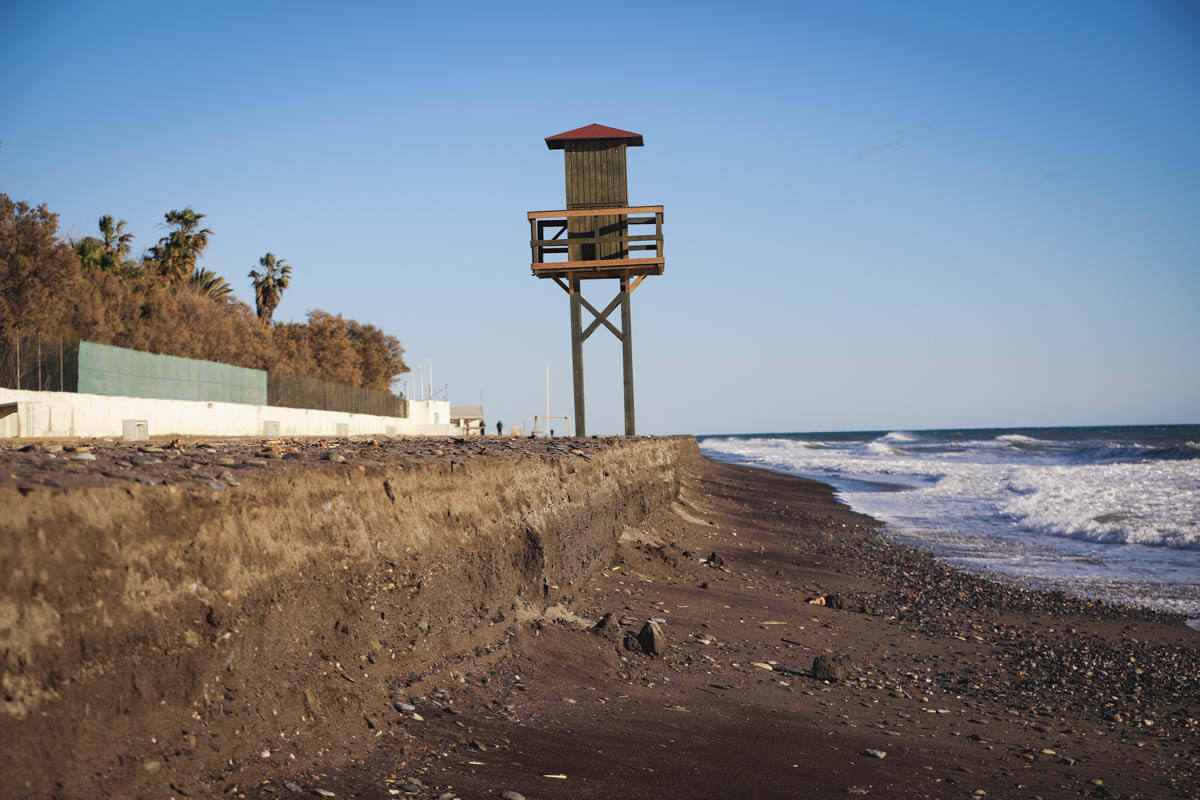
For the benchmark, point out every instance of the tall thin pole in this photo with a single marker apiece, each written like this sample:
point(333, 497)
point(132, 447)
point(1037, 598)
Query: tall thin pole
point(627, 354)
point(577, 357)
point(547, 398)
point(429, 361)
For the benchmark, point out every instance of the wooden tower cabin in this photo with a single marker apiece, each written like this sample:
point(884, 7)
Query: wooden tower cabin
point(591, 240)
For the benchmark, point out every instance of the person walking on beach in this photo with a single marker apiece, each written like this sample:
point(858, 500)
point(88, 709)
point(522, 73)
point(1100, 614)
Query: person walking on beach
point(499, 428)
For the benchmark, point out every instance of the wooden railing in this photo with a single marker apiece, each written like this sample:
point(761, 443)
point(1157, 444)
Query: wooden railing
point(595, 241)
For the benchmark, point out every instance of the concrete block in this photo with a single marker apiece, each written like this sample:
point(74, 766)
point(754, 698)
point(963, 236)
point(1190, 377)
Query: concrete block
point(270, 427)
point(135, 430)
point(10, 421)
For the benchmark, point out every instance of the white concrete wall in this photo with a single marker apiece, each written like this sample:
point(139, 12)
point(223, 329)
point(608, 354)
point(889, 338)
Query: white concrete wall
point(431, 418)
point(35, 414)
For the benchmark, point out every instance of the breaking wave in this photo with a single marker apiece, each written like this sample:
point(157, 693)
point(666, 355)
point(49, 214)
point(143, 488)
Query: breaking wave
point(1098, 507)
point(898, 436)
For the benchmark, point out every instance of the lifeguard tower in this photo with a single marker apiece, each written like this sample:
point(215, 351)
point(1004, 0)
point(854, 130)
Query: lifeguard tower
point(598, 244)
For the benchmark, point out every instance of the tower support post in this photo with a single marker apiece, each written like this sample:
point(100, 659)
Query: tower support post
point(627, 355)
point(577, 356)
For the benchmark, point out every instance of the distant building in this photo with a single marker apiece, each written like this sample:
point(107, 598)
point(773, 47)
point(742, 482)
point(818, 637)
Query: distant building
point(468, 419)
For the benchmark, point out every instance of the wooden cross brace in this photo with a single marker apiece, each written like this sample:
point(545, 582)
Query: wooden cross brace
point(601, 317)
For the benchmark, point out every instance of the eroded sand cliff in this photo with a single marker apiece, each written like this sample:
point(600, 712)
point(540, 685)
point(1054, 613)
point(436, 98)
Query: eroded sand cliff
point(130, 612)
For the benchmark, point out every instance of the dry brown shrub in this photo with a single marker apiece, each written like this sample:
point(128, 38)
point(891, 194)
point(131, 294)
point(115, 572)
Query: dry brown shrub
point(45, 289)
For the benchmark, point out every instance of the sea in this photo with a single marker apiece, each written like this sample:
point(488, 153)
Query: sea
point(1109, 513)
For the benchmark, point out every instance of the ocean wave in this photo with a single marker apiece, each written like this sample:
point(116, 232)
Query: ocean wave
point(1108, 452)
point(1121, 503)
point(1093, 452)
point(1134, 451)
point(899, 436)
point(1185, 451)
point(1092, 530)
point(1085, 507)
point(1023, 442)
point(880, 449)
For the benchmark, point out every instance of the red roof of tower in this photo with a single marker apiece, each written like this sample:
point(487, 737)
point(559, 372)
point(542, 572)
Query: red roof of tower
point(593, 131)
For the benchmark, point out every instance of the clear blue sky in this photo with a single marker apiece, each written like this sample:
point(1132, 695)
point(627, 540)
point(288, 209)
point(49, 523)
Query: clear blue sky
point(878, 215)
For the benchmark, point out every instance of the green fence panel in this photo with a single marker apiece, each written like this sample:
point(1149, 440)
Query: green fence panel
point(293, 391)
point(39, 363)
point(62, 364)
point(105, 369)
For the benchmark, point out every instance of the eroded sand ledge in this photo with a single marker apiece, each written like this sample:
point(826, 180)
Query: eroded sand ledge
point(131, 614)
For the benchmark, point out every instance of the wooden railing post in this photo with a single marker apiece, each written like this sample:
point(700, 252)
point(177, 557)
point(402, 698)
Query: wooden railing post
point(577, 357)
point(658, 220)
point(627, 355)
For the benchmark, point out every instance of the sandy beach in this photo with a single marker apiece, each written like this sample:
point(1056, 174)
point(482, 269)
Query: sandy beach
point(951, 685)
point(959, 686)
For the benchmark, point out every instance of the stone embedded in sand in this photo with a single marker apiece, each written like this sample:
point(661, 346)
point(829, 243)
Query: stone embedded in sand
point(607, 625)
point(875, 753)
point(834, 601)
point(508, 794)
point(833, 668)
point(650, 638)
point(715, 560)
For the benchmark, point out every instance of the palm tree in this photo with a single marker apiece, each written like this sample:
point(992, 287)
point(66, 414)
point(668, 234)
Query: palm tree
point(269, 284)
point(210, 284)
point(90, 251)
point(116, 242)
point(176, 253)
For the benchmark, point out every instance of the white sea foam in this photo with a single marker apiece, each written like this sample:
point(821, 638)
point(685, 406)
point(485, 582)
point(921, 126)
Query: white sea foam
point(1155, 504)
point(1019, 439)
point(1067, 514)
point(882, 449)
